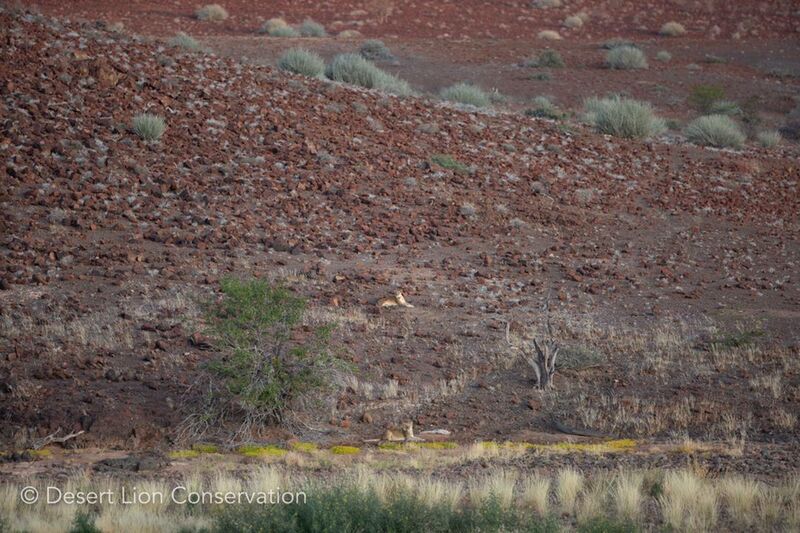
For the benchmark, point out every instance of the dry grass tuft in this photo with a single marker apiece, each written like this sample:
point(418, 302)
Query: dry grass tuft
point(672, 29)
point(689, 502)
point(211, 13)
point(549, 35)
point(569, 483)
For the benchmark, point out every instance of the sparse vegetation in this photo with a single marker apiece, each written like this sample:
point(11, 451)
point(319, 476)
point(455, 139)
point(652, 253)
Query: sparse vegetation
point(725, 107)
point(547, 58)
point(301, 61)
point(626, 58)
point(623, 117)
point(354, 69)
point(672, 29)
point(616, 43)
point(185, 41)
point(283, 31)
point(311, 28)
point(703, 97)
point(544, 108)
point(715, 130)
point(148, 126)
point(769, 139)
point(212, 13)
point(543, 4)
point(664, 56)
point(549, 35)
point(272, 24)
point(375, 50)
point(450, 163)
point(573, 21)
point(464, 93)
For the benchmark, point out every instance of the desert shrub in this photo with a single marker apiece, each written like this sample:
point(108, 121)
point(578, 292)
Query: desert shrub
point(768, 139)
point(185, 41)
point(283, 31)
point(211, 12)
point(354, 69)
point(703, 97)
point(272, 24)
point(715, 130)
point(544, 108)
point(311, 28)
point(725, 107)
point(549, 35)
point(265, 369)
point(623, 117)
point(464, 93)
point(616, 43)
point(626, 58)
point(301, 61)
point(543, 4)
point(450, 163)
point(549, 58)
point(374, 50)
point(672, 29)
point(573, 21)
point(148, 126)
point(664, 56)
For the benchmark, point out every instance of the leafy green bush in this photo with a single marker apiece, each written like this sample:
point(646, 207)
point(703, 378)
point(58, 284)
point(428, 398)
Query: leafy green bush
point(264, 368)
point(715, 130)
point(354, 69)
point(301, 61)
point(623, 117)
point(703, 97)
point(464, 93)
point(312, 28)
point(148, 126)
point(626, 58)
point(374, 50)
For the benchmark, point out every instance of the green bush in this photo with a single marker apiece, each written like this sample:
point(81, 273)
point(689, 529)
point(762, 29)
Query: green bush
point(464, 93)
point(550, 58)
point(185, 41)
point(301, 61)
point(354, 69)
point(148, 126)
point(768, 139)
point(544, 108)
point(703, 97)
point(311, 28)
point(626, 58)
point(264, 368)
point(715, 130)
point(347, 508)
point(374, 50)
point(623, 117)
point(282, 31)
point(450, 163)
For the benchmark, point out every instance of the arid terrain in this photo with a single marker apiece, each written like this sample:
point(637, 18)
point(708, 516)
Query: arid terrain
point(666, 270)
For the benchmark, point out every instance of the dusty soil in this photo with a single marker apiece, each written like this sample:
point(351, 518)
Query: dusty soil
point(108, 242)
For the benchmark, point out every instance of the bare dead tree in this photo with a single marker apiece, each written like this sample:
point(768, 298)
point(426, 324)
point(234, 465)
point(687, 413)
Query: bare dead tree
point(541, 356)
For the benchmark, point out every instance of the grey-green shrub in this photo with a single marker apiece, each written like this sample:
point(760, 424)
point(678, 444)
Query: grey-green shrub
point(715, 130)
point(211, 12)
point(148, 126)
point(616, 43)
point(544, 108)
point(464, 93)
point(375, 49)
point(623, 117)
point(550, 58)
point(311, 28)
point(354, 69)
point(768, 139)
point(664, 56)
point(626, 58)
point(725, 107)
point(282, 31)
point(301, 61)
point(185, 41)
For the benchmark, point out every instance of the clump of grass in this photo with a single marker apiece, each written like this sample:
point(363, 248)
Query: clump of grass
point(354, 69)
point(498, 486)
point(544, 108)
point(741, 496)
point(568, 485)
point(205, 448)
point(464, 93)
point(183, 454)
point(703, 97)
point(664, 56)
point(312, 28)
point(345, 450)
point(449, 162)
point(283, 31)
point(536, 494)
point(672, 29)
point(211, 13)
point(255, 450)
point(547, 58)
point(719, 131)
point(768, 139)
point(626, 58)
point(688, 503)
point(549, 35)
point(573, 21)
point(543, 4)
point(148, 126)
point(725, 107)
point(305, 447)
point(623, 117)
point(375, 50)
point(185, 41)
point(628, 496)
point(616, 43)
point(272, 24)
point(301, 61)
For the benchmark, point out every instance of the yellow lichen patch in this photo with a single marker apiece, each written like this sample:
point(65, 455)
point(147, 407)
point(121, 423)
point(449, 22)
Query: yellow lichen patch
point(205, 448)
point(41, 453)
point(307, 447)
point(183, 454)
point(391, 446)
point(434, 445)
point(488, 445)
point(611, 446)
point(254, 450)
point(344, 450)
